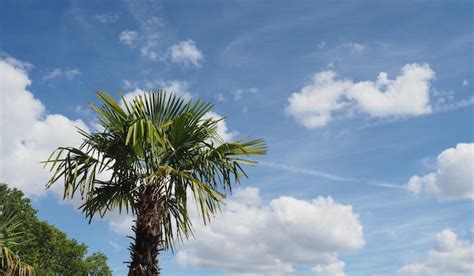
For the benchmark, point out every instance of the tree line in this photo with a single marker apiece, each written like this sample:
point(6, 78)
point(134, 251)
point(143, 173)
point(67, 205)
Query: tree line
point(41, 245)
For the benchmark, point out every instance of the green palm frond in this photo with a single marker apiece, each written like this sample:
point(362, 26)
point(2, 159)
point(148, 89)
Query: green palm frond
point(9, 229)
point(156, 140)
point(10, 235)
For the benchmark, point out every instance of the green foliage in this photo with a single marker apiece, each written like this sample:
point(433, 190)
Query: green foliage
point(46, 248)
point(159, 143)
point(11, 235)
point(96, 265)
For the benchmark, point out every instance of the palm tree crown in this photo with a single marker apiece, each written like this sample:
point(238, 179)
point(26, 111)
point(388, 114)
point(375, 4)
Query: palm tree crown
point(152, 153)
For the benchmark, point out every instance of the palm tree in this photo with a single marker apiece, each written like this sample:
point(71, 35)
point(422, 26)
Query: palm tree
point(10, 235)
point(155, 151)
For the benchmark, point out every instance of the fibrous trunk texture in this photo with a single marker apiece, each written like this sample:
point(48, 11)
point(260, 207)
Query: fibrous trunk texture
point(147, 243)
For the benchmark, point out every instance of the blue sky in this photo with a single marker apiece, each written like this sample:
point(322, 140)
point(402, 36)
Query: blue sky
point(397, 148)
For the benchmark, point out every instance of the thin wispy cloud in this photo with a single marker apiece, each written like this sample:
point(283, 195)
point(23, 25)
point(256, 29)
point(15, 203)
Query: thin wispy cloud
point(311, 172)
point(115, 246)
point(128, 37)
point(450, 106)
point(240, 93)
point(386, 185)
point(330, 176)
point(355, 47)
point(61, 73)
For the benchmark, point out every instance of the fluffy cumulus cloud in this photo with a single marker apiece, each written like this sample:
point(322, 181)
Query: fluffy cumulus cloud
point(29, 133)
point(314, 104)
point(186, 53)
point(253, 238)
point(454, 177)
point(450, 256)
point(406, 95)
point(61, 73)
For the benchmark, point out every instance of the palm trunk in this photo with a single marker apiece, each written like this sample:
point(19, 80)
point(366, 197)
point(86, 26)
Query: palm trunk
point(147, 243)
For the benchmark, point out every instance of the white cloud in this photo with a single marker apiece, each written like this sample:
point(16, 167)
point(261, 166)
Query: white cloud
point(317, 173)
point(52, 75)
point(450, 256)
point(407, 95)
point(23, 65)
point(314, 104)
point(58, 73)
point(239, 93)
point(29, 134)
point(332, 269)
point(465, 83)
point(128, 37)
point(120, 223)
point(153, 39)
point(179, 88)
point(151, 50)
point(454, 177)
point(222, 129)
point(453, 105)
point(186, 53)
point(253, 238)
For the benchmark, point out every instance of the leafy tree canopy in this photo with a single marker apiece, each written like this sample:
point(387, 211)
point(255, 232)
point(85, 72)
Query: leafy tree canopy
point(46, 248)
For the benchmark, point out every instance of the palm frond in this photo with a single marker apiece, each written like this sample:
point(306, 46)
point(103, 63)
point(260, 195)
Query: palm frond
point(10, 235)
point(11, 264)
point(158, 140)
